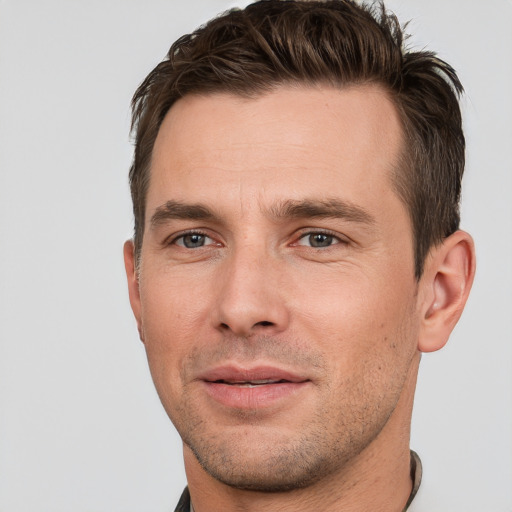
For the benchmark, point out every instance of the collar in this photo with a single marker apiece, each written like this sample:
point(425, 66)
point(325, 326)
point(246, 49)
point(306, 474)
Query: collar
point(185, 504)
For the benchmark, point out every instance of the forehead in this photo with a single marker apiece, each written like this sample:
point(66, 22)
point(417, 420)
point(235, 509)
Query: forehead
point(282, 144)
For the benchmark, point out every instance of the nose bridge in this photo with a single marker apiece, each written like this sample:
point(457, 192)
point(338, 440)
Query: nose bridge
point(249, 298)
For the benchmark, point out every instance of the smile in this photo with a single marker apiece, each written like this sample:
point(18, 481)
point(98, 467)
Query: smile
point(253, 388)
point(253, 383)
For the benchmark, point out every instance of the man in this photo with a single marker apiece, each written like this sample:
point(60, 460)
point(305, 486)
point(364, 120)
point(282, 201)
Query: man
point(296, 183)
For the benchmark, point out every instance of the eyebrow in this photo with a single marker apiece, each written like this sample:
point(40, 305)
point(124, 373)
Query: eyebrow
point(289, 209)
point(321, 209)
point(172, 210)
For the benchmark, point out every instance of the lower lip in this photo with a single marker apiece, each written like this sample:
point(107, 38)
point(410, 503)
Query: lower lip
point(256, 397)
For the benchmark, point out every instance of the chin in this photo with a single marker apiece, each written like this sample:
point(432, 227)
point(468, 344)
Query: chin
point(263, 476)
point(266, 465)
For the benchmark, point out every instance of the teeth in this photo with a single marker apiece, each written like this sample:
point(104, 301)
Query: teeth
point(253, 383)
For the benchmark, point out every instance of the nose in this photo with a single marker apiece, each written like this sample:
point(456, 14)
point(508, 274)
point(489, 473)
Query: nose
point(250, 295)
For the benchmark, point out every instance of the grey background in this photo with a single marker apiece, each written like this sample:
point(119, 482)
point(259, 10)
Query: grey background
point(81, 428)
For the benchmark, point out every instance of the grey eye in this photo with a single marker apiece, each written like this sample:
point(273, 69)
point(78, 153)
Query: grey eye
point(318, 240)
point(193, 240)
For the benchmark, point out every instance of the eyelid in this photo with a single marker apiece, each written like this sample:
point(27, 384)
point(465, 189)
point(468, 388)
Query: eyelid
point(340, 238)
point(172, 239)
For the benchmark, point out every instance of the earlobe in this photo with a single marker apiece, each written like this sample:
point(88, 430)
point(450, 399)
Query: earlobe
point(133, 284)
point(446, 283)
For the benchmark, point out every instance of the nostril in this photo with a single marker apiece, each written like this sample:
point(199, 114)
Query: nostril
point(240, 329)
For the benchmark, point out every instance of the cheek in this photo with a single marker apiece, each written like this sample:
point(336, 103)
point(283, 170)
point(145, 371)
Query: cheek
point(173, 310)
point(173, 322)
point(358, 318)
point(369, 340)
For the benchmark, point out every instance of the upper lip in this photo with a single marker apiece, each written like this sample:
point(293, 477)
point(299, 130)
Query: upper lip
point(239, 374)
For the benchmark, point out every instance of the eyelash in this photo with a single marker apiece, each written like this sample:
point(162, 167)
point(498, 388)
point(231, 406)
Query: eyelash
point(338, 240)
point(181, 236)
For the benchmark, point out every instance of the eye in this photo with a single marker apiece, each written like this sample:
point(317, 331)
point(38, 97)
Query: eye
point(193, 240)
point(318, 240)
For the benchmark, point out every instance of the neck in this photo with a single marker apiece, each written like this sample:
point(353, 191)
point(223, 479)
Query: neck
point(378, 478)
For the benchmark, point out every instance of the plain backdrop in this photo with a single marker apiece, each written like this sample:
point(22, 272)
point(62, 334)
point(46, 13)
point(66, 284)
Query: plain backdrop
point(81, 427)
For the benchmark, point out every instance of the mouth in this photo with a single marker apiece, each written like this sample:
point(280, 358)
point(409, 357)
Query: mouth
point(252, 388)
point(252, 383)
point(234, 375)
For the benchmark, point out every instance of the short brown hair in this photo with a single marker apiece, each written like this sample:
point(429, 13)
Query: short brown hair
point(337, 43)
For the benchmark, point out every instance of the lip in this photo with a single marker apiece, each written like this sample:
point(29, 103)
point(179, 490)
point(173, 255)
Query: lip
point(232, 373)
point(228, 385)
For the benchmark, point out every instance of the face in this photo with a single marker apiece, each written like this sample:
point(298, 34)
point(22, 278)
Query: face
point(276, 297)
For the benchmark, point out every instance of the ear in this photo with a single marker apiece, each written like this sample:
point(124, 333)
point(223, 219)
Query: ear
point(133, 284)
point(445, 285)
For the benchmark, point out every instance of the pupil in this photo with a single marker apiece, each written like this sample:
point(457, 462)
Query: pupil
point(320, 240)
point(191, 241)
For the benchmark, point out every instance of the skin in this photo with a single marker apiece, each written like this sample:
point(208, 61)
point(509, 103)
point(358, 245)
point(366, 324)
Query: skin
point(255, 277)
